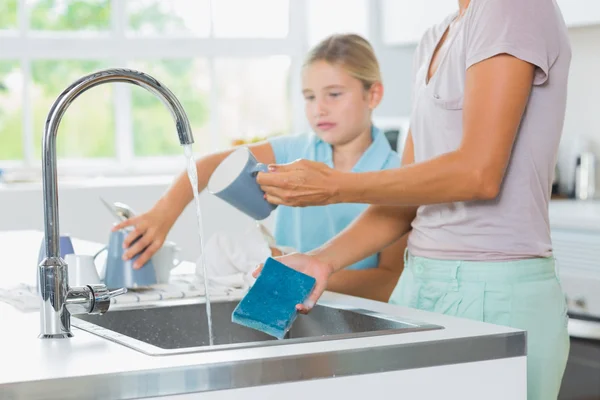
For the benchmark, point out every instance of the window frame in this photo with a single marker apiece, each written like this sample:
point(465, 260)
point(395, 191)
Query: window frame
point(119, 49)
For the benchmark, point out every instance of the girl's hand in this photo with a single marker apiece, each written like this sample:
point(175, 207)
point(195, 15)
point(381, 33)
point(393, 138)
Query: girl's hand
point(151, 228)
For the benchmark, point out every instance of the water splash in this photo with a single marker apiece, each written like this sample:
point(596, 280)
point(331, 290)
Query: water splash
point(193, 176)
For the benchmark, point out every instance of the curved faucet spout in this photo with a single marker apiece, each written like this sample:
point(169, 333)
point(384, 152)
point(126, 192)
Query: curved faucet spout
point(58, 109)
point(52, 279)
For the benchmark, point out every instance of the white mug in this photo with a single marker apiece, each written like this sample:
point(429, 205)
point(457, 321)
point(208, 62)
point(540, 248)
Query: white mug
point(164, 260)
point(82, 270)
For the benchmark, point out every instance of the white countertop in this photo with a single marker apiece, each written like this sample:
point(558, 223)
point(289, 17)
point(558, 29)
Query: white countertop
point(84, 354)
point(27, 358)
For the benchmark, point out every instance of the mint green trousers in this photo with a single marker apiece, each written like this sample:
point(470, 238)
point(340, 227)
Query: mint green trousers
point(524, 294)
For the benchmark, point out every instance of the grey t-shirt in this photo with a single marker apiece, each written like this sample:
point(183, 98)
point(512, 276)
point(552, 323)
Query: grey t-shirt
point(515, 225)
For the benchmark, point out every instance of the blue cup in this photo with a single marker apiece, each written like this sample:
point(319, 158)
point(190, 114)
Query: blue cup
point(234, 180)
point(65, 244)
point(119, 273)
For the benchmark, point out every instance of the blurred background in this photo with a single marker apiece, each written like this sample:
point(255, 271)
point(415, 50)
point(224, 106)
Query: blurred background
point(233, 64)
point(235, 67)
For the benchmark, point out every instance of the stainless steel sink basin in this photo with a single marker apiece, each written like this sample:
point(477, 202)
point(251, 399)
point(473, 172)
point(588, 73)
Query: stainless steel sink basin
point(181, 327)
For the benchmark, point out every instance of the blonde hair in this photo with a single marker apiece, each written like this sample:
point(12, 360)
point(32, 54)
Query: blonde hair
point(353, 52)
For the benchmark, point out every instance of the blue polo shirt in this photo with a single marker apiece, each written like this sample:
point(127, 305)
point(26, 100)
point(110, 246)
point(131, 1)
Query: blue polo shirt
point(306, 228)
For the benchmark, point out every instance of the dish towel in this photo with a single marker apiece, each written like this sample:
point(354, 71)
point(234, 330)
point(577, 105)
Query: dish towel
point(231, 259)
point(23, 297)
point(26, 299)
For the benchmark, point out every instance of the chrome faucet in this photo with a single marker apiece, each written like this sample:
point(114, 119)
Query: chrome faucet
point(59, 300)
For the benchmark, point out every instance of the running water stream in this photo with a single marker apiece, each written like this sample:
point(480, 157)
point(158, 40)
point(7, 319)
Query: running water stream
point(193, 175)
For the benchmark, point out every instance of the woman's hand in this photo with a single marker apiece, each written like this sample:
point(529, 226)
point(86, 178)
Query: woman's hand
point(309, 265)
point(301, 183)
point(151, 228)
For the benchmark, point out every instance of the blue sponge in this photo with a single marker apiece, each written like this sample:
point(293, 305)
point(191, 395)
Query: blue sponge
point(270, 304)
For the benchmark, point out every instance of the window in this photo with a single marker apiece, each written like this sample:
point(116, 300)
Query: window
point(86, 129)
point(233, 64)
point(253, 97)
point(168, 17)
point(69, 15)
point(325, 19)
point(251, 19)
point(189, 81)
point(11, 100)
point(8, 14)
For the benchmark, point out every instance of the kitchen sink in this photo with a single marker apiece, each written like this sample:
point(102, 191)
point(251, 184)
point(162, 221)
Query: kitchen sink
point(181, 326)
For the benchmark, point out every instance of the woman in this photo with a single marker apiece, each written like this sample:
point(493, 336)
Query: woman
point(342, 86)
point(489, 100)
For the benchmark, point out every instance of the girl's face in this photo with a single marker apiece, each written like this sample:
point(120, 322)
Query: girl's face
point(338, 107)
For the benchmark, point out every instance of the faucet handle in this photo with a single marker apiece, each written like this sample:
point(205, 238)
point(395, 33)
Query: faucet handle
point(90, 299)
point(102, 297)
point(117, 292)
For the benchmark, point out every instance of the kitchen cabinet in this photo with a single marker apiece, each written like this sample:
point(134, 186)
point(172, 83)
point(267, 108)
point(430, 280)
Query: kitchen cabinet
point(405, 21)
point(582, 376)
point(580, 12)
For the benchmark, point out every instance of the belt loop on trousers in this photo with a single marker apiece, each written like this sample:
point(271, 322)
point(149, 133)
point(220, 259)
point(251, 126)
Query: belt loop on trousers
point(406, 257)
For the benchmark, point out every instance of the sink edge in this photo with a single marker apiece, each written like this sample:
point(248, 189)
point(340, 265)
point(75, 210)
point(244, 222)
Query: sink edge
point(152, 350)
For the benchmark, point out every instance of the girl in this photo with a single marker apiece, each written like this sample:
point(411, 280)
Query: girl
point(489, 98)
point(341, 85)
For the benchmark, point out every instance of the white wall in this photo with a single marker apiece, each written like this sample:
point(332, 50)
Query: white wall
point(396, 63)
point(583, 103)
point(583, 106)
point(83, 215)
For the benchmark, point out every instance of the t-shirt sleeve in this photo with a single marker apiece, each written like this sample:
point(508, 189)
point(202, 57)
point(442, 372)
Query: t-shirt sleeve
point(521, 28)
point(288, 148)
